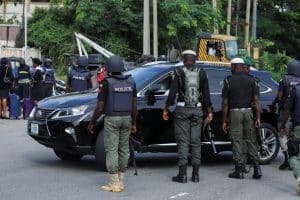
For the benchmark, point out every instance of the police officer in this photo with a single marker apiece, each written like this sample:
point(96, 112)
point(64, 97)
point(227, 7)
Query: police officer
point(117, 100)
point(239, 92)
point(282, 94)
point(23, 80)
point(49, 81)
point(292, 108)
point(79, 79)
point(191, 84)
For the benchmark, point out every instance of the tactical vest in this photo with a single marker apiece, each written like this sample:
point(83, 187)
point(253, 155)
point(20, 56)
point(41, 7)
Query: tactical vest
point(288, 80)
point(23, 74)
point(49, 76)
point(79, 80)
point(191, 86)
point(119, 97)
point(296, 113)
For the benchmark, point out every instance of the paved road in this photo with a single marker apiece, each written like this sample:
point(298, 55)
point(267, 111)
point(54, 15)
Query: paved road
point(30, 171)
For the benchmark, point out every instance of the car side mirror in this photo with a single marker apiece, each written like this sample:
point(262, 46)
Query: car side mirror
point(154, 89)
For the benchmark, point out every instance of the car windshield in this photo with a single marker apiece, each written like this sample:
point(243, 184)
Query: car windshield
point(231, 48)
point(142, 75)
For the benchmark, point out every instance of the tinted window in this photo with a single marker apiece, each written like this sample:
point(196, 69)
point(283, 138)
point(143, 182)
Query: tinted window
point(215, 79)
point(143, 75)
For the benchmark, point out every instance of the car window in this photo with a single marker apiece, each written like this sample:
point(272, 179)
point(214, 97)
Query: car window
point(215, 79)
point(263, 88)
point(143, 75)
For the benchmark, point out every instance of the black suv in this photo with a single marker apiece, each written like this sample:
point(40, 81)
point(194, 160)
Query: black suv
point(60, 122)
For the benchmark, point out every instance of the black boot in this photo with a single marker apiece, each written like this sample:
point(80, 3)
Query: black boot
point(181, 177)
point(238, 173)
point(195, 174)
point(256, 171)
point(285, 164)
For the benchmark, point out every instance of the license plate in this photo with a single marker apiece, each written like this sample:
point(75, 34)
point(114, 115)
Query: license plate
point(34, 129)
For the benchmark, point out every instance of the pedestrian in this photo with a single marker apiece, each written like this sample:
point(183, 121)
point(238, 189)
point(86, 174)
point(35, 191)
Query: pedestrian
point(79, 79)
point(282, 94)
point(292, 109)
point(36, 72)
point(23, 80)
point(117, 100)
point(6, 83)
point(239, 93)
point(49, 81)
point(191, 85)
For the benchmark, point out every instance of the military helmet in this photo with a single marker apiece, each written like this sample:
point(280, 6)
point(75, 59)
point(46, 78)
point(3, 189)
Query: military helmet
point(4, 61)
point(82, 61)
point(115, 64)
point(293, 68)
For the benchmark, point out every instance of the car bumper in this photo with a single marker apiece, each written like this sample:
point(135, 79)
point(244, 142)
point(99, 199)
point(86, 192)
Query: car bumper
point(53, 134)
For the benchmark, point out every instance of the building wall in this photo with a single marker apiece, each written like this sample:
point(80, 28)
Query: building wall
point(17, 10)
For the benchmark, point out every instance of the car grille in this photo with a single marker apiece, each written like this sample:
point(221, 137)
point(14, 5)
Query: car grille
point(43, 114)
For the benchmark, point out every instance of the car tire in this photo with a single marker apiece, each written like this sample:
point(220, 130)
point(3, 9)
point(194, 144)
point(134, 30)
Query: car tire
point(270, 143)
point(66, 156)
point(100, 152)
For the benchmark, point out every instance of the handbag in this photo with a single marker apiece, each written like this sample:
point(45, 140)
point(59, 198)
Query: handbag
point(6, 79)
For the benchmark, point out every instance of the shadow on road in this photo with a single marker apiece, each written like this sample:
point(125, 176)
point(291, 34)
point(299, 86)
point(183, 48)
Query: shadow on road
point(143, 160)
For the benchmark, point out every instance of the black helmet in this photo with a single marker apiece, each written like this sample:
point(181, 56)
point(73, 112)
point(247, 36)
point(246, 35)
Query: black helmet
point(115, 64)
point(293, 68)
point(82, 61)
point(4, 61)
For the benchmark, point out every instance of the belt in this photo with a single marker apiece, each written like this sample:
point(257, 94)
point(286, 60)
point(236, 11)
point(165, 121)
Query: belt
point(183, 104)
point(23, 81)
point(241, 109)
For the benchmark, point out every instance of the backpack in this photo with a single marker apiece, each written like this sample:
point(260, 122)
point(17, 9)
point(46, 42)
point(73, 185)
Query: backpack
point(288, 82)
point(191, 86)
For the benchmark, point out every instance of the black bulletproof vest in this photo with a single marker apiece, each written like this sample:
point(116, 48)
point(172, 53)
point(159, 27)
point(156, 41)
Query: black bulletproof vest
point(119, 97)
point(288, 82)
point(296, 113)
point(79, 80)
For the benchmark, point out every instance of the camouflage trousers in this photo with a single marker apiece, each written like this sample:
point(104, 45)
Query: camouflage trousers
point(295, 160)
point(187, 128)
point(243, 136)
point(116, 142)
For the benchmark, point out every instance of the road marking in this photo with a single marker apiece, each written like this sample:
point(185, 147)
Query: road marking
point(182, 194)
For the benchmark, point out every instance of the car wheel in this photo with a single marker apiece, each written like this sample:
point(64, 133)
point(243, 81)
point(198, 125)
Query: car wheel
point(270, 143)
point(67, 156)
point(100, 152)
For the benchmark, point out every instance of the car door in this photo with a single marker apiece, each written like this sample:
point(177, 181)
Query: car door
point(152, 128)
point(215, 79)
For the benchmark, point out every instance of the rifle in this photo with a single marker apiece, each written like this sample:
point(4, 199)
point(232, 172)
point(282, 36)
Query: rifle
point(132, 155)
point(259, 140)
point(210, 136)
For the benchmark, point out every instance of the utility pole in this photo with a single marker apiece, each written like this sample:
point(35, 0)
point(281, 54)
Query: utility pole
point(228, 17)
point(155, 38)
point(247, 24)
point(254, 19)
point(25, 30)
point(214, 3)
point(146, 34)
point(237, 17)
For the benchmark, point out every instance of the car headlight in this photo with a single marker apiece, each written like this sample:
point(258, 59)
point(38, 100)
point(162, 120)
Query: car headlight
point(70, 112)
point(31, 115)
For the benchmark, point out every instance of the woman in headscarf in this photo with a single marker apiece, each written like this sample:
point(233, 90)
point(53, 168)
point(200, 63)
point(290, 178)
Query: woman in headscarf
point(6, 82)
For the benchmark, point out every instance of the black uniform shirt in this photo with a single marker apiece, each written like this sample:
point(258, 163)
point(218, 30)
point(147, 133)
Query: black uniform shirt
point(291, 100)
point(177, 86)
point(103, 90)
point(240, 90)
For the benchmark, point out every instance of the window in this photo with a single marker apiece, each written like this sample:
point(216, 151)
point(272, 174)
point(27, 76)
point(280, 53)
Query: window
point(231, 49)
point(215, 79)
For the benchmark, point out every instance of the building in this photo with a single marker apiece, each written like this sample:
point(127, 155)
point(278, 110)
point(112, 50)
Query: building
point(11, 15)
